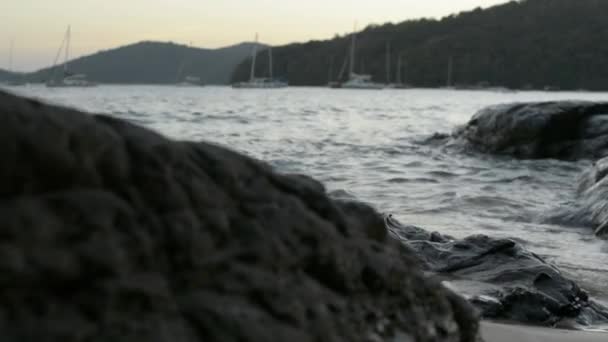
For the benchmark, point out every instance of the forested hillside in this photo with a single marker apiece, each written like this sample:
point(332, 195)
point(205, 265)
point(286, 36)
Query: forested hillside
point(520, 44)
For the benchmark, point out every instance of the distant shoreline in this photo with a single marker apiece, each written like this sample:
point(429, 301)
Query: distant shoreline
point(338, 90)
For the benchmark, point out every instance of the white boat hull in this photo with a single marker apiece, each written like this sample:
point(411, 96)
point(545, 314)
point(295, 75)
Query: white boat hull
point(357, 81)
point(260, 84)
point(189, 85)
point(71, 85)
point(74, 81)
point(374, 86)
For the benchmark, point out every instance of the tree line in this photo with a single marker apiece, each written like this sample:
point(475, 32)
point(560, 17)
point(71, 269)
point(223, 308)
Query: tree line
point(519, 44)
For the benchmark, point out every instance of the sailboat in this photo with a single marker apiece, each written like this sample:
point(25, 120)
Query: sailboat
point(260, 82)
point(68, 79)
point(356, 81)
point(330, 73)
point(188, 80)
point(15, 81)
point(398, 82)
point(337, 84)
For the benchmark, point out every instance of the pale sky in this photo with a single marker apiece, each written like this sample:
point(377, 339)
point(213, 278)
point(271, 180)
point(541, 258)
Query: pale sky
point(37, 26)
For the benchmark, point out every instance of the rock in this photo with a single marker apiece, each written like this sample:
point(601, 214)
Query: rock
point(568, 130)
point(590, 207)
point(503, 279)
point(111, 232)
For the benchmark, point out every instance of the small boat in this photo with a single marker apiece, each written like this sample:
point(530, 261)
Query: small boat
point(67, 79)
point(260, 82)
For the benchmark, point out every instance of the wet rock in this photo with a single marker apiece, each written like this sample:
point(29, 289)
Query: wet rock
point(568, 130)
point(111, 232)
point(590, 206)
point(501, 278)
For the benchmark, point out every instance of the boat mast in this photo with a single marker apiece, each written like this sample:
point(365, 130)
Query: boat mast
point(270, 61)
point(253, 54)
point(398, 74)
point(330, 72)
point(10, 55)
point(450, 66)
point(343, 68)
point(352, 50)
point(388, 62)
point(67, 50)
point(182, 65)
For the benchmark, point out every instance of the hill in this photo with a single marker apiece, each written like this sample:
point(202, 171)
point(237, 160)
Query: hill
point(6, 75)
point(520, 44)
point(155, 63)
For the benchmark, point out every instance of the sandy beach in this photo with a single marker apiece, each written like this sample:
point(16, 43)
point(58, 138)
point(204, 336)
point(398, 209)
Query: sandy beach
point(495, 332)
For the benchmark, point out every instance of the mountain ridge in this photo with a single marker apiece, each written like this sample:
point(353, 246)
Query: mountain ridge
point(150, 62)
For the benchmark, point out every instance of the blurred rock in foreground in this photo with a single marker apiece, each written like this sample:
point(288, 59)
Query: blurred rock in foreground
point(111, 232)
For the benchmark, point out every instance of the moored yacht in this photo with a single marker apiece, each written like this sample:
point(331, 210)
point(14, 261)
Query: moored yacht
point(356, 81)
point(261, 82)
point(398, 84)
point(188, 80)
point(76, 80)
point(67, 79)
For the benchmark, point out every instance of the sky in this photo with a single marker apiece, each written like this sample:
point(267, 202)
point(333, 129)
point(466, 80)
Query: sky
point(37, 27)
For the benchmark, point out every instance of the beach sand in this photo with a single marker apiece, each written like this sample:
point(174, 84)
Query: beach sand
point(495, 332)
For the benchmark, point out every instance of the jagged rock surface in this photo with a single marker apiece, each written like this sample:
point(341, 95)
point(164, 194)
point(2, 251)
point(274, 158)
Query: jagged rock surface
point(568, 130)
point(111, 232)
point(503, 279)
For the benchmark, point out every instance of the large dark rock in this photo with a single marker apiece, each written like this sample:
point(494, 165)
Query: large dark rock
point(503, 279)
point(111, 232)
point(562, 130)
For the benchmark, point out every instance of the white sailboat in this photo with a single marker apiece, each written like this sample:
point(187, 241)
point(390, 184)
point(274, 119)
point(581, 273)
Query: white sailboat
point(188, 80)
point(357, 81)
point(261, 82)
point(68, 79)
point(398, 84)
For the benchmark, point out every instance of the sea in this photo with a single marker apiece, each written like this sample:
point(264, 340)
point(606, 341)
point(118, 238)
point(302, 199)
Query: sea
point(372, 145)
